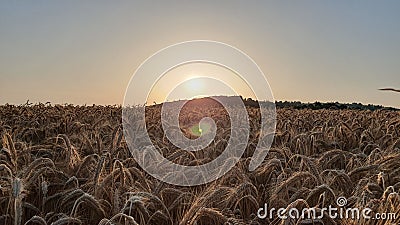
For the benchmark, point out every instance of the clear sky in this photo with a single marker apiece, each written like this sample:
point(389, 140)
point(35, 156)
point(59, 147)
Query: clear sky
point(86, 51)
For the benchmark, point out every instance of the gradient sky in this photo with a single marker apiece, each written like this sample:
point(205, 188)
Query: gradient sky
point(85, 52)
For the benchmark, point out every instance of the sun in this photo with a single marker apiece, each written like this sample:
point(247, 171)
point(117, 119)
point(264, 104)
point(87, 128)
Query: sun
point(194, 84)
point(195, 87)
point(198, 80)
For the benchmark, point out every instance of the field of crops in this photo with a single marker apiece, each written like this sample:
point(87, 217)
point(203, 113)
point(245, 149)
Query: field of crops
point(70, 165)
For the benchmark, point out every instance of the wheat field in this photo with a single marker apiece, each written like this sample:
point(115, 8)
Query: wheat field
point(66, 164)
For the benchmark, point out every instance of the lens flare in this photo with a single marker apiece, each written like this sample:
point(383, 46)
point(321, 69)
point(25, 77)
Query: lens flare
point(200, 129)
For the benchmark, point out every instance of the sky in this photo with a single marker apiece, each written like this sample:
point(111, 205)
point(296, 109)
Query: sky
point(85, 52)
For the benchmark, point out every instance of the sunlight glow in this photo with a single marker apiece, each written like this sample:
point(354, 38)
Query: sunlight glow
point(197, 80)
point(194, 84)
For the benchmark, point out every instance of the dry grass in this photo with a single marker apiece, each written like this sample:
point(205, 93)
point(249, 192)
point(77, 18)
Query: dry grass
point(71, 165)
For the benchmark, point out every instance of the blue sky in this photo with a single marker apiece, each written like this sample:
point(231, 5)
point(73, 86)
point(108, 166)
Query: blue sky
point(85, 52)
